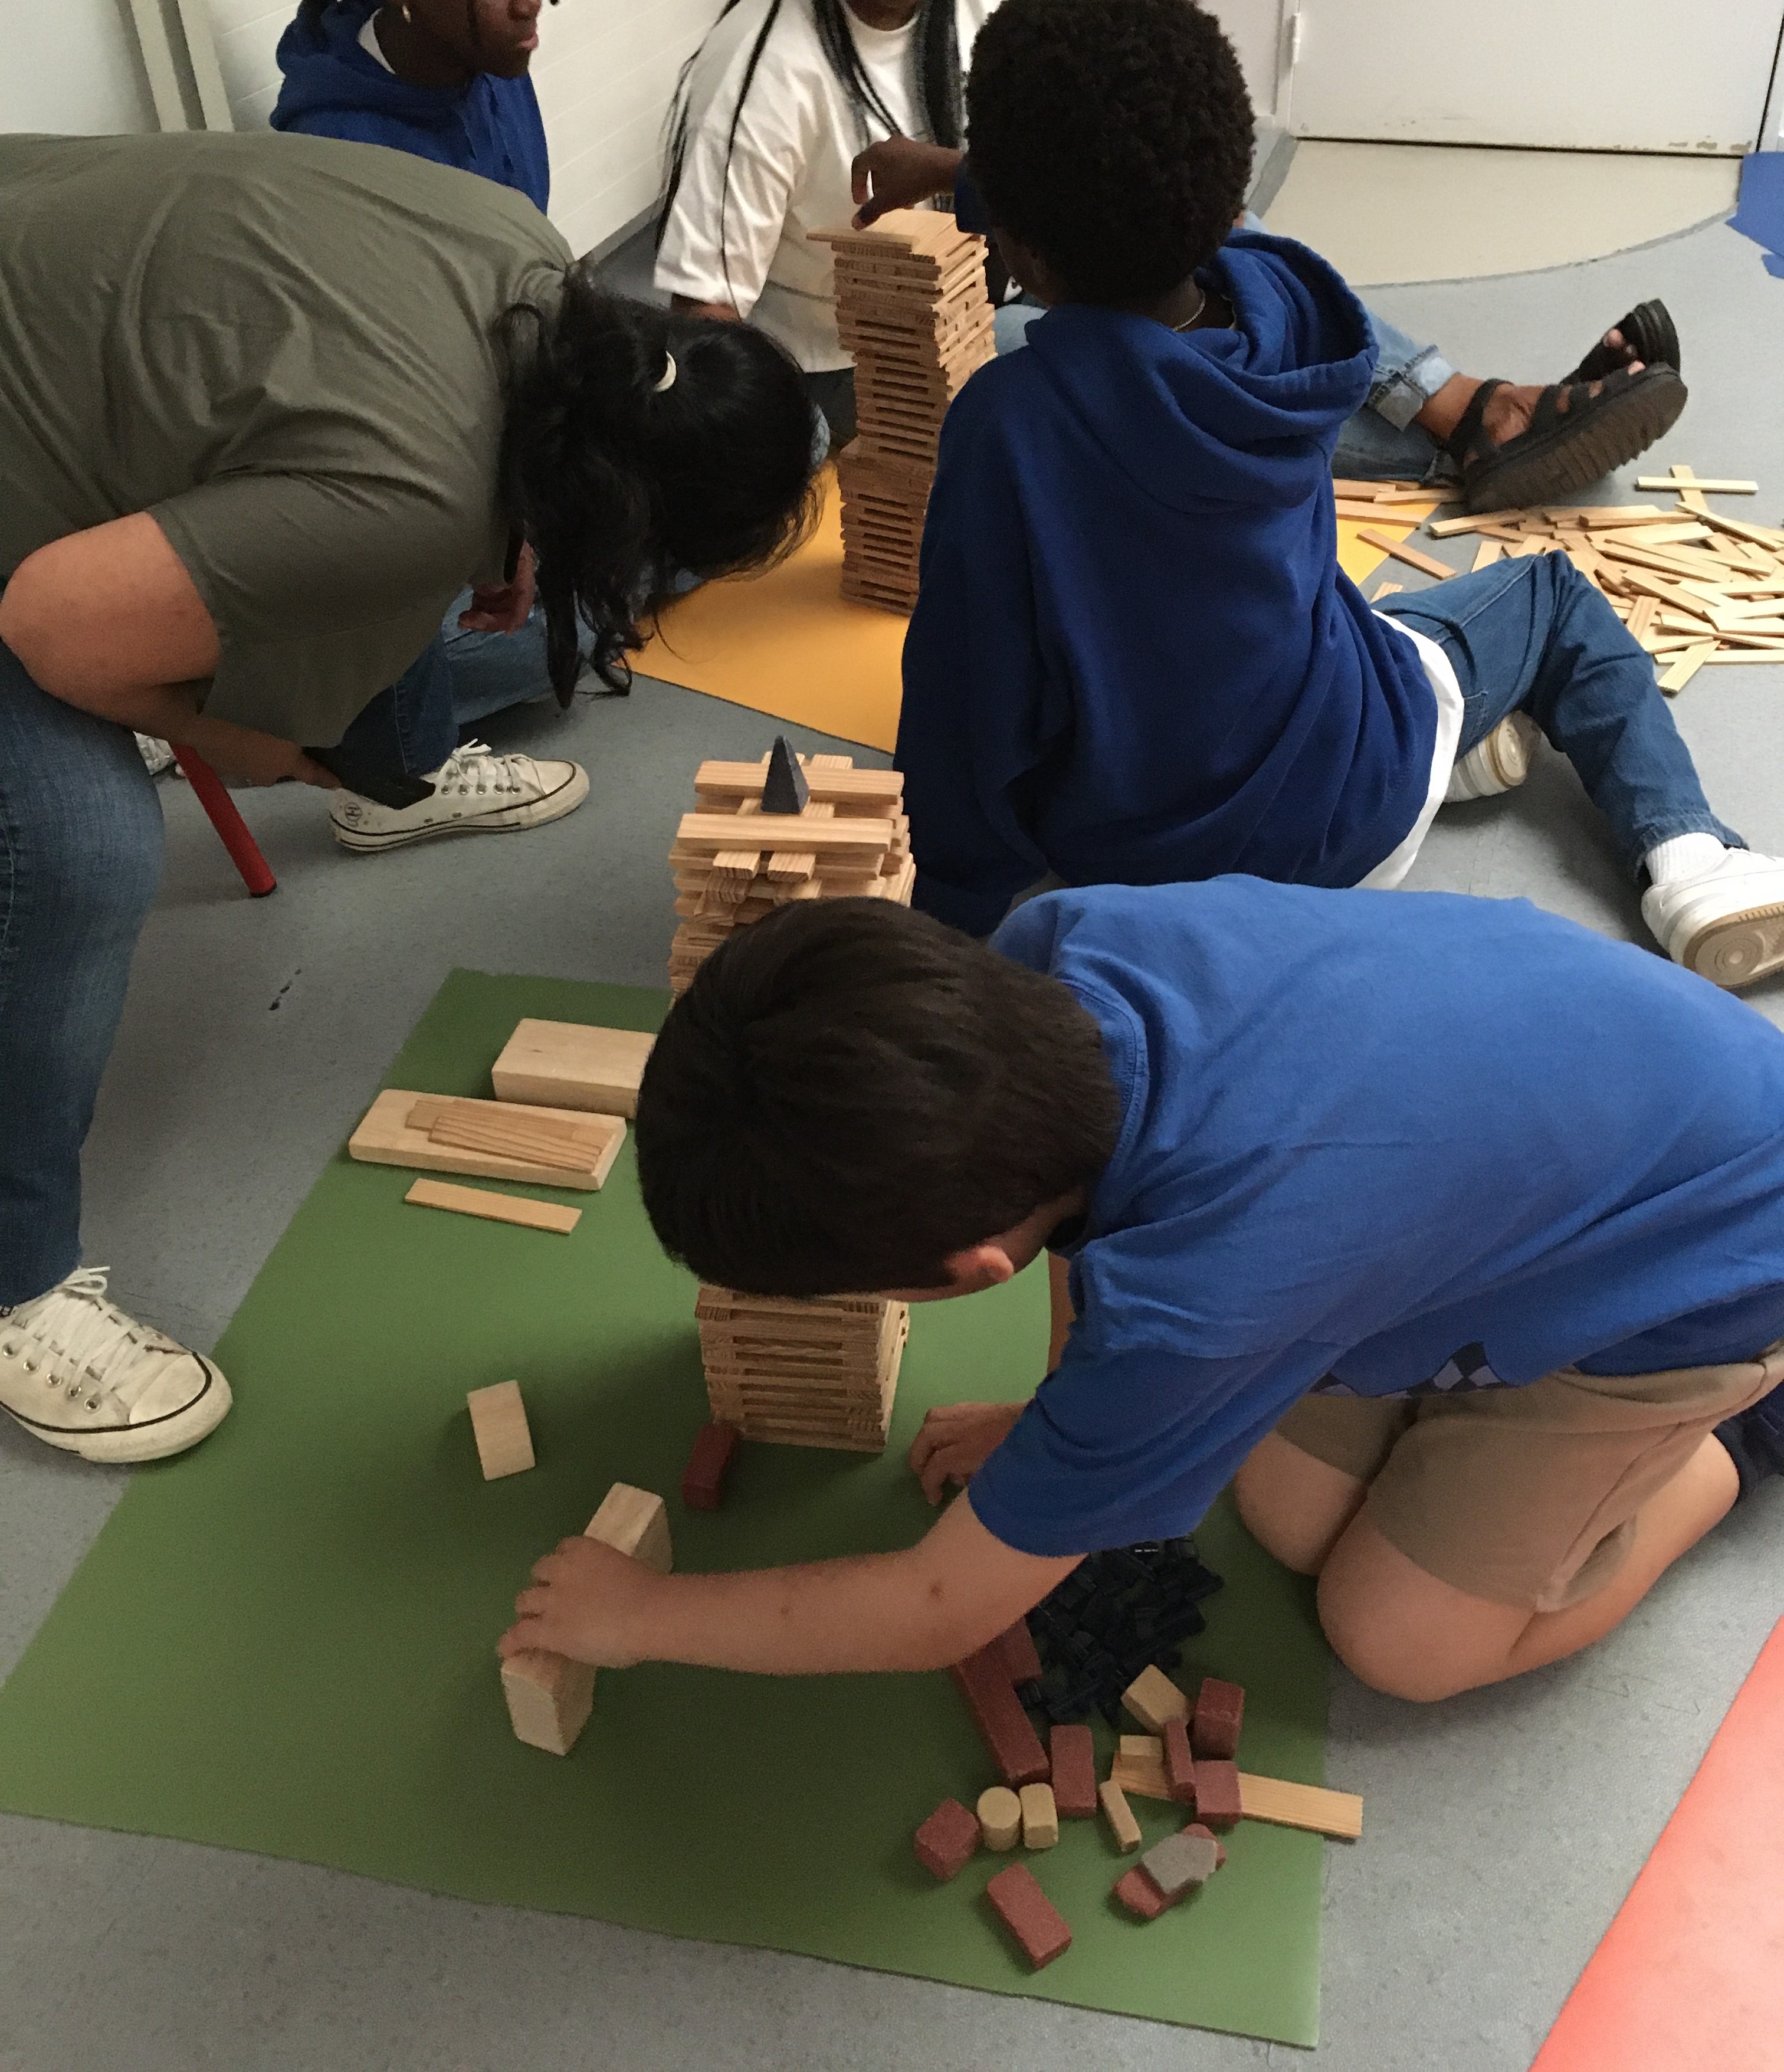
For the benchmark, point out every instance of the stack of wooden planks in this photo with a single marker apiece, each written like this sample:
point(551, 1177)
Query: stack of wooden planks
point(821, 1373)
point(911, 306)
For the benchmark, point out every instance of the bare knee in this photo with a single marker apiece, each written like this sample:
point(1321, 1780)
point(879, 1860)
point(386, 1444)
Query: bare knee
point(1380, 1658)
point(1294, 1506)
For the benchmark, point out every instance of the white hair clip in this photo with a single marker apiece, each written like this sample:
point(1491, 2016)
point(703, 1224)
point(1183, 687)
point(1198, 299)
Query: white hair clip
point(668, 374)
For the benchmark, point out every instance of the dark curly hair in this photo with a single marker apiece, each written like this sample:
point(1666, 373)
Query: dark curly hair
point(1113, 138)
point(849, 1093)
point(622, 486)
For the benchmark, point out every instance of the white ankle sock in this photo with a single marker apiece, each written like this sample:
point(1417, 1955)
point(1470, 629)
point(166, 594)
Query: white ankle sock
point(1685, 856)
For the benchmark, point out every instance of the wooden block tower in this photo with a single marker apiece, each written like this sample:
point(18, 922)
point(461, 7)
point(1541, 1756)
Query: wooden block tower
point(736, 858)
point(911, 306)
point(806, 1373)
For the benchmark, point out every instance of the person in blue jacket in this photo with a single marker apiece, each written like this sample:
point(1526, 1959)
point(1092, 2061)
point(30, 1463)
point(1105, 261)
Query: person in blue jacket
point(1341, 1203)
point(1134, 657)
point(445, 80)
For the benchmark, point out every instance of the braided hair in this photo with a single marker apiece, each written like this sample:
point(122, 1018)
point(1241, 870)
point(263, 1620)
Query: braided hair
point(939, 77)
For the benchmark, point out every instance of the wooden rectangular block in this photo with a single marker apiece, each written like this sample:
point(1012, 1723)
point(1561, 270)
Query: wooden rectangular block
point(512, 1131)
point(571, 1065)
point(1123, 1825)
point(1179, 1764)
point(709, 833)
point(1004, 1727)
point(634, 1521)
point(1017, 1646)
point(1153, 1699)
point(947, 1841)
point(498, 1208)
point(549, 1698)
point(1219, 1714)
point(395, 1131)
point(1028, 1915)
point(1338, 1814)
point(1180, 1863)
point(1040, 1816)
point(703, 1479)
point(1141, 1777)
point(1073, 1752)
point(499, 1423)
point(1137, 1892)
point(1218, 1800)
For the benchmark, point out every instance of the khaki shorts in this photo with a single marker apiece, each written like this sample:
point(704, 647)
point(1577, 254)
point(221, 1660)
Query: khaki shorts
point(1525, 1496)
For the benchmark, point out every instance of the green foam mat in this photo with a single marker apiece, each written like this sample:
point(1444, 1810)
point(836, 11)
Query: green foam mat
point(290, 1632)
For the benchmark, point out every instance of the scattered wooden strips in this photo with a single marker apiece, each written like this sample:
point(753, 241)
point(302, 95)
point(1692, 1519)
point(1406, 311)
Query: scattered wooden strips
point(1427, 563)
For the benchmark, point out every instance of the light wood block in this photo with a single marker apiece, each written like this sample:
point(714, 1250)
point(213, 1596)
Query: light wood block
point(396, 1130)
point(549, 1698)
point(1428, 564)
point(1120, 1816)
point(570, 1065)
point(1000, 1818)
point(1386, 589)
point(1704, 484)
point(509, 1131)
point(1153, 1699)
point(1140, 1777)
point(1686, 667)
point(1338, 1814)
point(499, 1423)
point(1450, 528)
point(1040, 1816)
point(1487, 553)
point(498, 1208)
point(634, 1521)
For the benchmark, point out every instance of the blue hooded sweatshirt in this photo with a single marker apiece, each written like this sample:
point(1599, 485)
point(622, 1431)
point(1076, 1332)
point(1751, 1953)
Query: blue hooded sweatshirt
point(333, 87)
point(1134, 659)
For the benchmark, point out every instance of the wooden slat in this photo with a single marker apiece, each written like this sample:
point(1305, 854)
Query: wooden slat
point(1338, 1814)
point(497, 1208)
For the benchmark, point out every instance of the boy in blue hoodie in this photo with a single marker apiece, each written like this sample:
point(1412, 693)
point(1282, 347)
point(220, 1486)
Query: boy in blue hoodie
point(1134, 657)
point(445, 80)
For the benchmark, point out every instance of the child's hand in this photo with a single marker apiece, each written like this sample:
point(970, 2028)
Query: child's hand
point(589, 1602)
point(956, 1439)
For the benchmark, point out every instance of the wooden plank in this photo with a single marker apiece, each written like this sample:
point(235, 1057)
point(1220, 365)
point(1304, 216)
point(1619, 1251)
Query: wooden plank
point(1685, 482)
point(1711, 485)
point(573, 1065)
point(512, 1131)
point(390, 1135)
point(1450, 528)
point(709, 833)
point(1686, 667)
point(1487, 553)
point(1413, 559)
point(497, 1208)
point(1338, 1814)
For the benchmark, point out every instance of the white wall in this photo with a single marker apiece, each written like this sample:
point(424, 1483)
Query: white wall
point(606, 72)
point(70, 66)
point(1255, 29)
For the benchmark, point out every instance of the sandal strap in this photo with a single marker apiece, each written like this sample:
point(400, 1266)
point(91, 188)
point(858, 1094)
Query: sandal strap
point(1461, 441)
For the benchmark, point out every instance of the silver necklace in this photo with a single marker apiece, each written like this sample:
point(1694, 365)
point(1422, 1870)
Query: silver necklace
point(1191, 321)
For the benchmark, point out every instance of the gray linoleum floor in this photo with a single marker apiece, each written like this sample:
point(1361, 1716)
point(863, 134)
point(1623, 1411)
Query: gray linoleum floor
point(1503, 1829)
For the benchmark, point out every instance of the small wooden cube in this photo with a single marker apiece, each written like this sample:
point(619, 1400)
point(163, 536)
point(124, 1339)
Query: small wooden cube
point(947, 1840)
point(1179, 1764)
point(1217, 1801)
point(498, 1424)
point(1120, 1816)
point(1040, 1817)
point(1074, 1754)
point(549, 1698)
point(1000, 1818)
point(1028, 1915)
point(1219, 1712)
point(1153, 1699)
point(634, 1521)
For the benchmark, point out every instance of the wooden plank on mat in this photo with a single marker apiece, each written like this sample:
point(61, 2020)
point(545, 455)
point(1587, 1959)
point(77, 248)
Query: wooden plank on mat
point(497, 1208)
point(392, 1134)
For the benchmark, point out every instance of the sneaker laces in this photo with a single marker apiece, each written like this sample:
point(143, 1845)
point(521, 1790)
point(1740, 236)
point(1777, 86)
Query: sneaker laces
point(85, 1333)
point(474, 770)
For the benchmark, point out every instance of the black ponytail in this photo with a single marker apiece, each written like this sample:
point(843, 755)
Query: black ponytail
point(624, 487)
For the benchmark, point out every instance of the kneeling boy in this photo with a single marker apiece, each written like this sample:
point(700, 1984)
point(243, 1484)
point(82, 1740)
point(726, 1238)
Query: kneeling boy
point(1464, 1326)
point(1134, 658)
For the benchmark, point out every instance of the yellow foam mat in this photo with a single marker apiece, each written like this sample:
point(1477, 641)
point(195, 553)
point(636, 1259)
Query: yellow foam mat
point(789, 644)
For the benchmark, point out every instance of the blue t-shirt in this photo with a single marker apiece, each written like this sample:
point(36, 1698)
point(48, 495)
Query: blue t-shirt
point(1377, 1142)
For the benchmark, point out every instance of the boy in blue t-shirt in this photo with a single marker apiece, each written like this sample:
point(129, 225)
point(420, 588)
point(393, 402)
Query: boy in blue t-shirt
point(1134, 659)
point(1488, 1342)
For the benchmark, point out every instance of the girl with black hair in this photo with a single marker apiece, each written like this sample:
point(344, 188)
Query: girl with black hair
point(774, 108)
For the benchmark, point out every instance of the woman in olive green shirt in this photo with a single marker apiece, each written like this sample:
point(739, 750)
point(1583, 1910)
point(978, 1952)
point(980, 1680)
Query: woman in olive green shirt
point(267, 403)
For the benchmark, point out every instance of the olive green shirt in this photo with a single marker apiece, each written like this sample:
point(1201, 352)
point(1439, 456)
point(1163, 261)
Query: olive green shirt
point(284, 349)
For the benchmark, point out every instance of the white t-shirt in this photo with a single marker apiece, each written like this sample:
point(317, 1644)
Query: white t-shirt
point(1447, 692)
point(789, 172)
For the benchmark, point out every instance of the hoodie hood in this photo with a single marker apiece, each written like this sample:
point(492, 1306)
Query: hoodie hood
point(333, 86)
point(1249, 415)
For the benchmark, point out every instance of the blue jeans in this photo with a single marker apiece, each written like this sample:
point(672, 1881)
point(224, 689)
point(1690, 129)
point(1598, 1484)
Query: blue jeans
point(80, 843)
point(1534, 636)
point(458, 679)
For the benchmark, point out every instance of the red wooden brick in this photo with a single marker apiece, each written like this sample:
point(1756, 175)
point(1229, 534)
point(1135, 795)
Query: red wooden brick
point(1196, 1827)
point(1016, 1648)
point(947, 1840)
point(1074, 1755)
point(703, 1479)
point(1010, 1741)
point(1030, 1915)
point(1217, 1801)
point(1139, 1895)
point(1179, 1764)
point(1219, 1712)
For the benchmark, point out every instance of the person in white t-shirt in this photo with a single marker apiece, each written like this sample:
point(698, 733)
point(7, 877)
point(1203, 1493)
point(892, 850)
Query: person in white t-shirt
point(774, 108)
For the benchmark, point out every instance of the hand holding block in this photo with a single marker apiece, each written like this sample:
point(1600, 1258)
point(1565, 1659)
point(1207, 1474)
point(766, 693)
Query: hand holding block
point(499, 1423)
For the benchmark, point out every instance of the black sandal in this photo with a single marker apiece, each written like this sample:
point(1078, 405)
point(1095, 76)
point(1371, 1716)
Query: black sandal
point(1564, 449)
point(1648, 336)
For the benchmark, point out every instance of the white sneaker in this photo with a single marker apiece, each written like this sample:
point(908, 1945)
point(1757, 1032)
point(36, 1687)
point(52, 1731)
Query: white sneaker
point(475, 792)
point(1727, 923)
point(1499, 763)
point(79, 1374)
point(156, 754)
